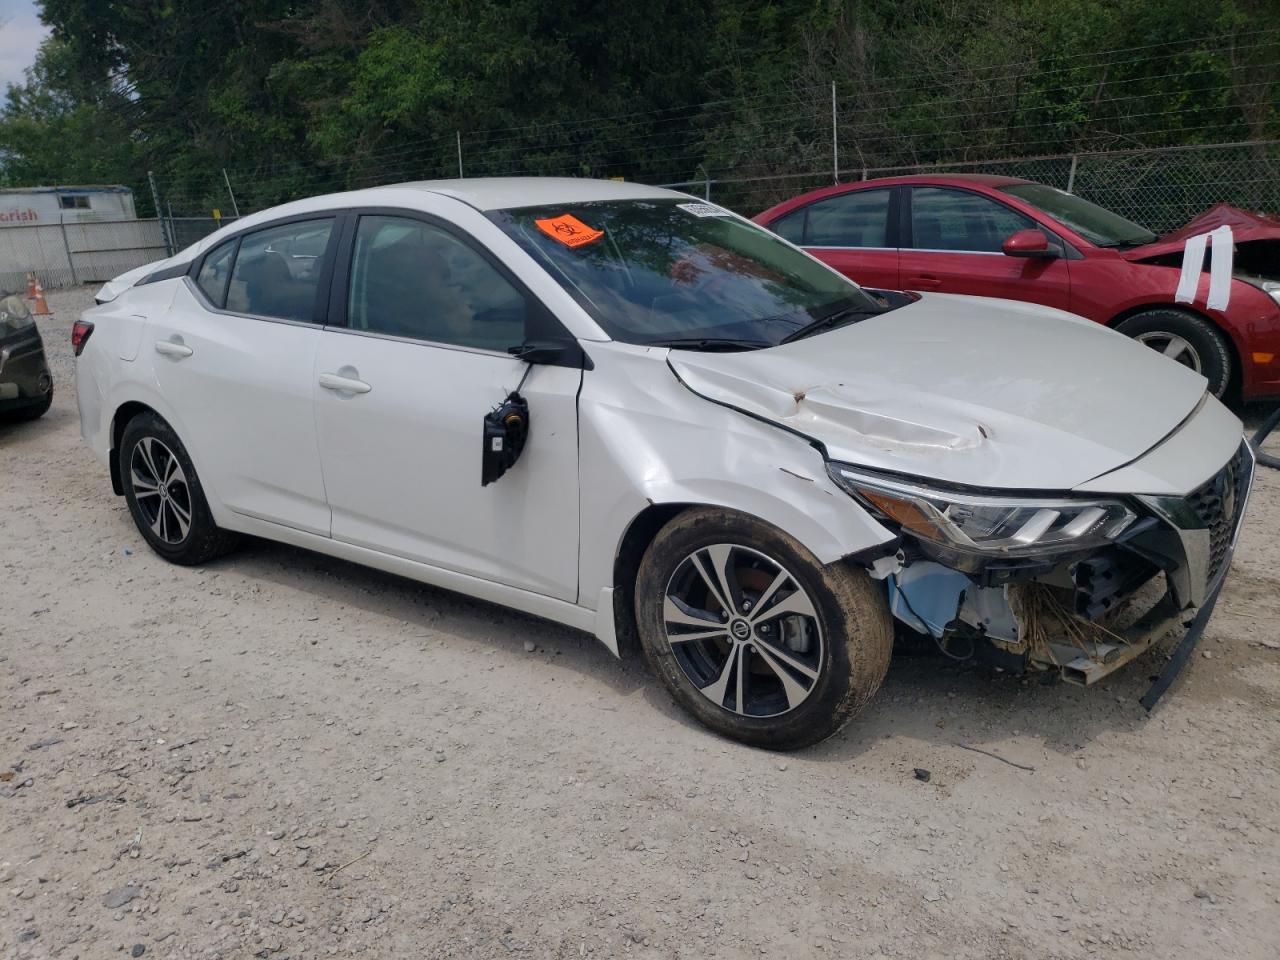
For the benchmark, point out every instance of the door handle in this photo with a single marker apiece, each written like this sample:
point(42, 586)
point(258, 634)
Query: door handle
point(331, 381)
point(168, 348)
point(923, 283)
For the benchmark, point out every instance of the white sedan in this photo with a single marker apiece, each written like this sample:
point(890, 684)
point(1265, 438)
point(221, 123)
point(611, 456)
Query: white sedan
point(640, 415)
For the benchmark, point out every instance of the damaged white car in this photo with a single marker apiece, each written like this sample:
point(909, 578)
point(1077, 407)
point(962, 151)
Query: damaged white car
point(643, 416)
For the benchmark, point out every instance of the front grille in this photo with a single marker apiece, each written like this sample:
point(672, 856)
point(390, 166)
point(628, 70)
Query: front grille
point(1217, 503)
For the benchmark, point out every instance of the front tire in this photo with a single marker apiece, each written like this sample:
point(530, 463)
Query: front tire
point(165, 496)
point(753, 636)
point(1186, 339)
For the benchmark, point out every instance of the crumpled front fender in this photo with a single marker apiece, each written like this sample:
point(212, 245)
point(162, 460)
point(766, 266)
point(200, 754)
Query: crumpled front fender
point(645, 439)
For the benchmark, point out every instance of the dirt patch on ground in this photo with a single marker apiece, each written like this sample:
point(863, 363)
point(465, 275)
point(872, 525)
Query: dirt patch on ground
point(283, 755)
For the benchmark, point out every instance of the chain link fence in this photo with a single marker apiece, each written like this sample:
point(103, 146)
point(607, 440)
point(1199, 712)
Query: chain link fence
point(92, 251)
point(1160, 189)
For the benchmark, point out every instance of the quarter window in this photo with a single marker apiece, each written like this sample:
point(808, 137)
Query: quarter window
point(856, 219)
point(412, 279)
point(214, 273)
point(277, 271)
point(943, 219)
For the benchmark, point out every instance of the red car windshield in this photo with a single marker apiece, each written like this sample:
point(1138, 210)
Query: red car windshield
point(1099, 226)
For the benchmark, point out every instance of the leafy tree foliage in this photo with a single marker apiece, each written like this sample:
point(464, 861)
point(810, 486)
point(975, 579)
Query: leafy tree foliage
point(303, 96)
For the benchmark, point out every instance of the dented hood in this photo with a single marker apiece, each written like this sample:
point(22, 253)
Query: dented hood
point(1245, 226)
point(963, 390)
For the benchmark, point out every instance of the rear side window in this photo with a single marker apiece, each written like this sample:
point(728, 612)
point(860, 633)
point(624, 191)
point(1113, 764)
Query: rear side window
point(413, 279)
point(857, 219)
point(790, 227)
point(214, 273)
point(277, 271)
point(943, 219)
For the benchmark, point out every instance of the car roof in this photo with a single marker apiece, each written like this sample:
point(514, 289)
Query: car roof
point(501, 193)
point(919, 179)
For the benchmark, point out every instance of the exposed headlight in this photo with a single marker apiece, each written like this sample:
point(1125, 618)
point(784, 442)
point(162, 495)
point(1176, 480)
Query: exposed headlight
point(1270, 287)
point(985, 524)
point(14, 315)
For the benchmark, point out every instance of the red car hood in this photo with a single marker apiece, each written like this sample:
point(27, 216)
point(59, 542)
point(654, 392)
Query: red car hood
point(1244, 226)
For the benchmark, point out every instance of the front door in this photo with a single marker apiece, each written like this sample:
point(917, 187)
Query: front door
point(401, 392)
point(956, 246)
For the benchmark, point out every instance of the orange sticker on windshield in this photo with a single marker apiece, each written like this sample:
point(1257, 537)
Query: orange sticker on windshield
point(569, 230)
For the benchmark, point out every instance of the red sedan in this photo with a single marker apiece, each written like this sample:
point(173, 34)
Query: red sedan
point(1003, 237)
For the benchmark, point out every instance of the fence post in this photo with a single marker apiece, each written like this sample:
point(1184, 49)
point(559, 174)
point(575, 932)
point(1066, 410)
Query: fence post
point(155, 198)
point(1071, 174)
point(234, 209)
point(62, 222)
point(459, 133)
point(835, 138)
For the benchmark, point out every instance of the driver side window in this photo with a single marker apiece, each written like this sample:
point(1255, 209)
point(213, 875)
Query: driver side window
point(412, 279)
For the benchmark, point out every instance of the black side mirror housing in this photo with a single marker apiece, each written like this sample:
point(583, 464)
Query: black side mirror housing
point(553, 353)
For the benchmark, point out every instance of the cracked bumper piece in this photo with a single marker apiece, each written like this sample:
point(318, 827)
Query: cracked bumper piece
point(1090, 616)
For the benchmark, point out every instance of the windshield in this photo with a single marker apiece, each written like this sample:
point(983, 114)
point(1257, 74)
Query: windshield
point(1099, 226)
point(681, 273)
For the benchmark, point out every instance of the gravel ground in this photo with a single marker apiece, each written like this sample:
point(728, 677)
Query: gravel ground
point(283, 755)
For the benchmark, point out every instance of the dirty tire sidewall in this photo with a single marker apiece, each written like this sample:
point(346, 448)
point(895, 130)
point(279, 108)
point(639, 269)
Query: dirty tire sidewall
point(205, 540)
point(854, 617)
point(1216, 356)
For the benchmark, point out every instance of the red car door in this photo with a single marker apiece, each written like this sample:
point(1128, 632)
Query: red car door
point(851, 232)
point(955, 246)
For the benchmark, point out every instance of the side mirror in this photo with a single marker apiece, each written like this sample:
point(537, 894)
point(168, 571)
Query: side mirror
point(1029, 243)
point(553, 353)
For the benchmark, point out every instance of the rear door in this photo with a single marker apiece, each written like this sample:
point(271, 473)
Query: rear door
point(415, 358)
point(954, 244)
point(852, 232)
point(235, 358)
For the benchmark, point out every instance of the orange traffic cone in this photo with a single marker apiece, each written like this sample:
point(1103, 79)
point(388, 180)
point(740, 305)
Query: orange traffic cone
point(31, 286)
point(42, 307)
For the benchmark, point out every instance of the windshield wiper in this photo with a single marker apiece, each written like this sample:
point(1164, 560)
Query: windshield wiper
point(1129, 242)
point(708, 343)
point(830, 321)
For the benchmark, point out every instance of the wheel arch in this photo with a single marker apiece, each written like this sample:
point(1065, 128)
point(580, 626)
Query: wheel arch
point(126, 412)
point(1236, 351)
point(635, 540)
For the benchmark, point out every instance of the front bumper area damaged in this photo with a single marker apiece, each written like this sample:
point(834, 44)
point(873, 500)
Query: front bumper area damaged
point(1087, 616)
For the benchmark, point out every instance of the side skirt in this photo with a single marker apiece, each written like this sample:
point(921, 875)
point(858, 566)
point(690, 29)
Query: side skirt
point(559, 611)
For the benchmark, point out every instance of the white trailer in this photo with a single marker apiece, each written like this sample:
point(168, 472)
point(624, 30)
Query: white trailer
point(74, 234)
point(30, 206)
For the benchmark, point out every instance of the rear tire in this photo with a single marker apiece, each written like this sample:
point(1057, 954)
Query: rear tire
point(1187, 339)
point(804, 647)
point(165, 496)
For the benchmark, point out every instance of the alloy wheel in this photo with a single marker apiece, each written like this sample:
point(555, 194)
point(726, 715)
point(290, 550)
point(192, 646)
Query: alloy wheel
point(160, 489)
point(1172, 346)
point(744, 630)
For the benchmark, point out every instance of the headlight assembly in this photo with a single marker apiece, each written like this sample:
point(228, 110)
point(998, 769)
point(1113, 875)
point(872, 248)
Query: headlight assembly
point(1003, 526)
point(14, 315)
point(1270, 287)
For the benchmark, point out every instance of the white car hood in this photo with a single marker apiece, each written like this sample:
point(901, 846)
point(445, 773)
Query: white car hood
point(966, 390)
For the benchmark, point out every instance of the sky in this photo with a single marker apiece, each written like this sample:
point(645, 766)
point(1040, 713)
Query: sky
point(20, 34)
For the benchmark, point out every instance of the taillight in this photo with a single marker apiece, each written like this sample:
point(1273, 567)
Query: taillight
point(80, 331)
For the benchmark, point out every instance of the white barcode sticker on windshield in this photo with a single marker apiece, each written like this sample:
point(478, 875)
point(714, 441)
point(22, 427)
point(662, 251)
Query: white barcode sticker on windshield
point(703, 209)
